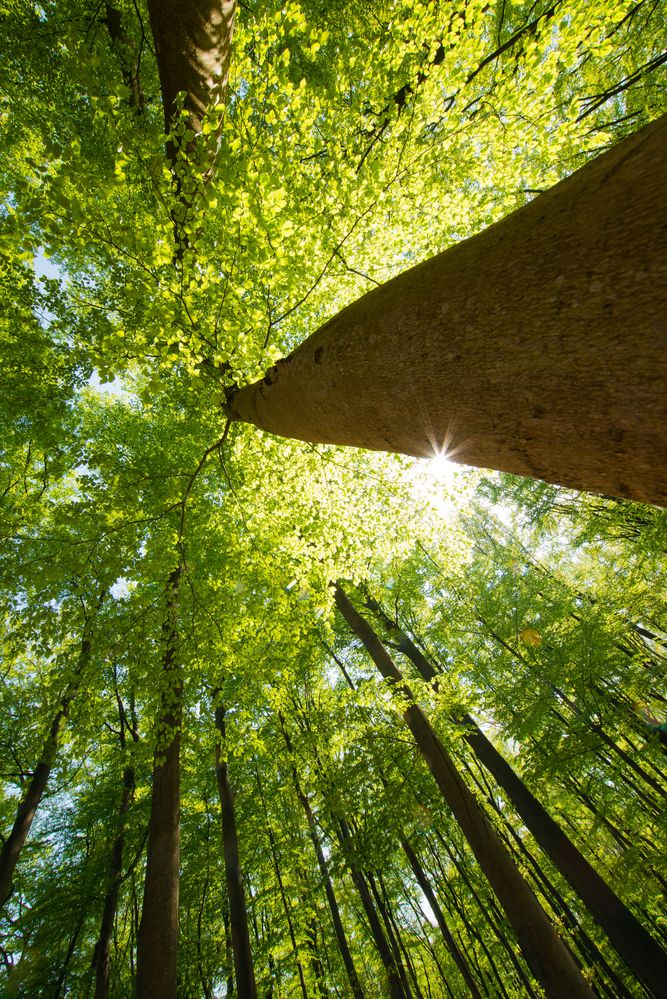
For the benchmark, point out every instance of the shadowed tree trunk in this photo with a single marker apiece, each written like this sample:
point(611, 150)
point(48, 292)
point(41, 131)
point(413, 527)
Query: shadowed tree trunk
point(193, 46)
point(537, 347)
point(544, 951)
point(238, 913)
point(157, 944)
point(395, 984)
point(632, 942)
point(29, 803)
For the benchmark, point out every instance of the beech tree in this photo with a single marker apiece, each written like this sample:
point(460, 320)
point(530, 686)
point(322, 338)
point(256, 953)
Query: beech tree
point(208, 787)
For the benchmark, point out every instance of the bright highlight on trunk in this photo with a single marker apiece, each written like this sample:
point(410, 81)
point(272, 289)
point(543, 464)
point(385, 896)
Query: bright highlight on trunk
point(537, 347)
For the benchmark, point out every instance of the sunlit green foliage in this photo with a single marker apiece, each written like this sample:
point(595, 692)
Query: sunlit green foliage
point(353, 142)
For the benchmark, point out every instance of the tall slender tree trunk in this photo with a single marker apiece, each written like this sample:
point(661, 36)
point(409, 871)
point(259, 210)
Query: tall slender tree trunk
point(29, 803)
point(284, 900)
point(430, 896)
point(632, 942)
point(238, 913)
point(537, 347)
point(101, 957)
point(157, 944)
point(341, 939)
point(394, 983)
point(546, 954)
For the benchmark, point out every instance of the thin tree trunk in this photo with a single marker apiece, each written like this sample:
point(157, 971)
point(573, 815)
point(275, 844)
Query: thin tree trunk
point(537, 347)
point(450, 942)
point(29, 803)
point(341, 939)
point(638, 949)
point(394, 983)
point(238, 913)
point(401, 953)
point(157, 944)
point(101, 957)
point(286, 906)
point(546, 954)
point(492, 917)
point(71, 947)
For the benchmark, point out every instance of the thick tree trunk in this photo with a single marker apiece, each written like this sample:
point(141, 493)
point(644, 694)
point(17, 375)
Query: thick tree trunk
point(238, 913)
point(638, 949)
point(29, 803)
point(537, 347)
point(546, 954)
point(157, 944)
point(193, 44)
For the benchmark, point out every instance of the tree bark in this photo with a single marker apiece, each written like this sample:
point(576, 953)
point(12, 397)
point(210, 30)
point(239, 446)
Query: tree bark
point(193, 45)
point(238, 913)
point(157, 944)
point(29, 803)
point(544, 951)
point(633, 943)
point(538, 347)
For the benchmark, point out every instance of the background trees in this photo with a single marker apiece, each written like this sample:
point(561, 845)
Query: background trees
point(351, 144)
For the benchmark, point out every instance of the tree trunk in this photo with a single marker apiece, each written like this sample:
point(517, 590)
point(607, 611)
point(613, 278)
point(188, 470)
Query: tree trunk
point(450, 942)
point(546, 954)
point(238, 913)
point(101, 957)
point(29, 803)
point(537, 347)
point(632, 942)
point(157, 944)
point(193, 45)
point(341, 939)
point(394, 983)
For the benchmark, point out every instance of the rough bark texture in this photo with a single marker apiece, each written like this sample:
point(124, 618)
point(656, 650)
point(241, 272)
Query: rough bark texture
point(639, 950)
point(544, 951)
point(537, 347)
point(157, 941)
point(238, 913)
point(193, 43)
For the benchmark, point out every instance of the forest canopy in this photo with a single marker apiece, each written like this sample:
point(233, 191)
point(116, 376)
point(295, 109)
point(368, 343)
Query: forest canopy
point(277, 717)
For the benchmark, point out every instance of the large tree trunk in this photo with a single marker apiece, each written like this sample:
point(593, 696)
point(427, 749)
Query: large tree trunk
point(637, 948)
point(29, 803)
point(238, 913)
point(193, 44)
point(544, 951)
point(157, 944)
point(537, 347)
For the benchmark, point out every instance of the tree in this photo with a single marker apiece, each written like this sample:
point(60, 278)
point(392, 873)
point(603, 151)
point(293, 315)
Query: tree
point(178, 209)
point(536, 347)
